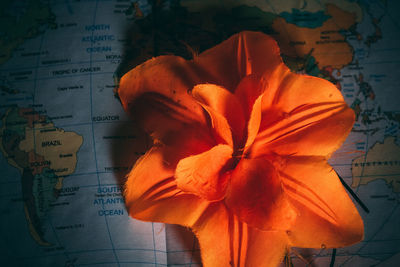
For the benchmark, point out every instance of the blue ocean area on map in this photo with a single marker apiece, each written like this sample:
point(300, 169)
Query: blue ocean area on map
point(304, 18)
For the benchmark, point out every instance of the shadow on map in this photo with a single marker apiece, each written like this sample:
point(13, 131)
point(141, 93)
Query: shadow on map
point(175, 30)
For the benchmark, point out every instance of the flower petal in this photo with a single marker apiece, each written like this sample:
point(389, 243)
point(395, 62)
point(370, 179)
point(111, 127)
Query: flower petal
point(248, 90)
point(212, 231)
point(265, 248)
point(221, 131)
point(301, 115)
point(202, 174)
point(255, 195)
point(225, 103)
point(156, 94)
point(327, 216)
point(287, 91)
point(242, 54)
point(227, 241)
point(151, 192)
point(253, 125)
point(311, 129)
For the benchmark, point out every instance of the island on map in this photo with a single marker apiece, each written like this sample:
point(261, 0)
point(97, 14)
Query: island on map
point(44, 155)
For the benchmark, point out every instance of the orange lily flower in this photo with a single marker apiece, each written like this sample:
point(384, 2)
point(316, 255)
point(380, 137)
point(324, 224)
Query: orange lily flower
point(240, 152)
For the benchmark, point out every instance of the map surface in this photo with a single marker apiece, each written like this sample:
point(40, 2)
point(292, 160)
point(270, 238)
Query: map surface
point(66, 144)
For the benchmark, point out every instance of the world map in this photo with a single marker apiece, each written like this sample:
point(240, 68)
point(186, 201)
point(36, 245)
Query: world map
point(66, 144)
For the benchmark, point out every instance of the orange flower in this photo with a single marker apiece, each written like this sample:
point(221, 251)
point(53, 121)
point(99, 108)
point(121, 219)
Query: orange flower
point(240, 152)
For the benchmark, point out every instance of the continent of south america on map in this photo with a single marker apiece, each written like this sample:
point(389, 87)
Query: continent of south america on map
point(44, 155)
